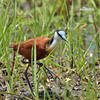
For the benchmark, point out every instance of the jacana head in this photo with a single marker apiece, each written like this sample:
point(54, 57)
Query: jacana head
point(60, 35)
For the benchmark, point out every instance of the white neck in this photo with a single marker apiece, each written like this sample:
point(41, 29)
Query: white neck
point(55, 42)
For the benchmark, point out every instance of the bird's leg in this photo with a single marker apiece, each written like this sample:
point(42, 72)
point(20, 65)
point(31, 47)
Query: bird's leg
point(40, 64)
point(50, 72)
point(25, 73)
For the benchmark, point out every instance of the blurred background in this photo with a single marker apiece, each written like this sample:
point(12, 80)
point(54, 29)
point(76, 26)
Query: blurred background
point(76, 63)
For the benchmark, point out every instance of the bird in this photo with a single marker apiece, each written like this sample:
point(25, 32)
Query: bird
point(44, 46)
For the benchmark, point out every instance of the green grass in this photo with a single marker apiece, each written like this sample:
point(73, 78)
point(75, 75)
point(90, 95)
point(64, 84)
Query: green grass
point(17, 25)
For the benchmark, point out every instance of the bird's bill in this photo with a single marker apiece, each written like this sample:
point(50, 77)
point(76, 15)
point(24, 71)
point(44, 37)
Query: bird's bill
point(64, 38)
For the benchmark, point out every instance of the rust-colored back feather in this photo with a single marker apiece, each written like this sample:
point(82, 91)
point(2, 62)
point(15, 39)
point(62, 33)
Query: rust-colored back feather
point(14, 46)
point(26, 47)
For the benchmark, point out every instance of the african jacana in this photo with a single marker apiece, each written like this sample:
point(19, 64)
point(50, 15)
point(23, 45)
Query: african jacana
point(44, 46)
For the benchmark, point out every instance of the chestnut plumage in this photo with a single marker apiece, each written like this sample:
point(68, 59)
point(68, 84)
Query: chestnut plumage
point(25, 48)
point(44, 46)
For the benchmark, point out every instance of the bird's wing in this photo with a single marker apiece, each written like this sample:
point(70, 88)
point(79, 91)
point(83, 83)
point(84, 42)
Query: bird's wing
point(41, 42)
point(27, 44)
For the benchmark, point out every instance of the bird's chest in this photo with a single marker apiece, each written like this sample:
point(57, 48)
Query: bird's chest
point(41, 53)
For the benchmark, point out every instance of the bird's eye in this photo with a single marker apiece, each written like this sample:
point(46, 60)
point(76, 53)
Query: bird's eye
point(65, 32)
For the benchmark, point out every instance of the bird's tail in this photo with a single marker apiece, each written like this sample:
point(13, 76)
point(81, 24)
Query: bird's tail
point(14, 46)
